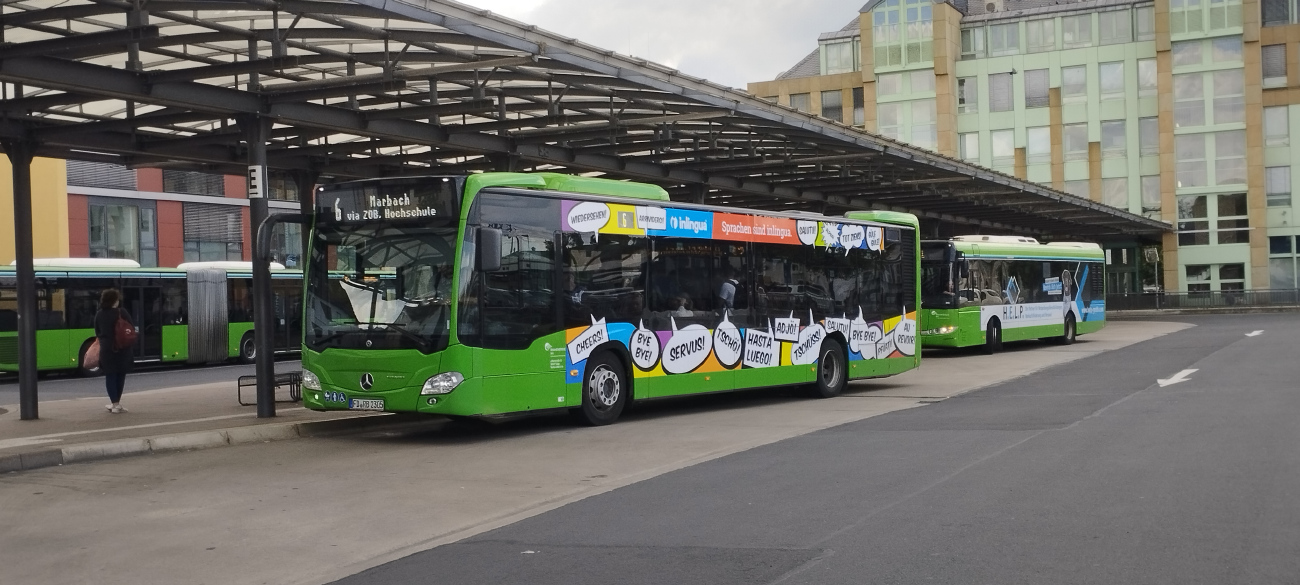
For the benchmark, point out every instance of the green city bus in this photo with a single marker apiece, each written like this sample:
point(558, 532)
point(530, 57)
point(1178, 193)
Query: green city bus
point(508, 293)
point(984, 290)
point(198, 313)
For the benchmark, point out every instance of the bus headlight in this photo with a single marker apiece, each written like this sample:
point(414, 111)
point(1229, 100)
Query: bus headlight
point(443, 383)
point(946, 329)
point(310, 381)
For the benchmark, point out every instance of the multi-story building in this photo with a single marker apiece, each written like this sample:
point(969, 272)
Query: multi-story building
point(157, 217)
point(1179, 109)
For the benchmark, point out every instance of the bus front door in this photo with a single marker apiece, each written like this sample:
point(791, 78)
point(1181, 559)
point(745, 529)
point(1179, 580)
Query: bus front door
point(144, 303)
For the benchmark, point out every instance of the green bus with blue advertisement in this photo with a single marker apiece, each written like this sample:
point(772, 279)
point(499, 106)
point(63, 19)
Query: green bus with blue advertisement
point(986, 290)
point(508, 293)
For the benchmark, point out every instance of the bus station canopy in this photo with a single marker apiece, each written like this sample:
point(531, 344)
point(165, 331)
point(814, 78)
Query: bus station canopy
point(367, 88)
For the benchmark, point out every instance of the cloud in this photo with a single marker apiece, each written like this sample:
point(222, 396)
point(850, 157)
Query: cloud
point(731, 42)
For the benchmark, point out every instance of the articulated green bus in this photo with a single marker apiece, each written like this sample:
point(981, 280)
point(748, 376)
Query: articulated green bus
point(199, 313)
point(503, 293)
point(984, 290)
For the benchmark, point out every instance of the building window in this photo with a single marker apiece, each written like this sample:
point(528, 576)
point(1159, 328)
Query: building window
point(212, 232)
point(859, 112)
point(924, 129)
point(919, 31)
point(1226, 50)
point(1000, 92)
point(887, 36)
point(1149, 136)
point(1229, 96)
point(1038, 145)
point(1036, 88)
point(1278, 186)
point(889, 120)
point(1147, 77)
point(1201, 277)
point(1276, 12)
point(1277, 126)
point(1114, 192)
point(1189, 100)
point(1233, 223)
point(1193, 220)
point(1112, 80)
point(1004, 147)
point(100, 174)
point(801, 102)
point(1273, 59)
point(888, 84)
point(1114, 27)
point(1281, 262)
point(921, 81)
point(1004, 39)
point(968, 101)
point(1186, 53)
point(1040, 35)
point(1198, 277)
point(972, 43)
point(286, 245)
point(1074, 141)
point(1189, 161)
point(839, 57)
point(970, 146)
point(1185, 16)
point(194, 183)
point(123, 229)
point(1225, 14)
point(1114, 139)
point(282, 186)
point(1074, 82)
point(833, 105)
point(1151, 193)
point(1076, 31)
point(1230, 157)
point(1080, 189)
point(1145, 22)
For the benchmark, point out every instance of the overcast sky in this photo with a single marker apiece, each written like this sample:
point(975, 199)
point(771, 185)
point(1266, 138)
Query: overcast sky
point(731, 42)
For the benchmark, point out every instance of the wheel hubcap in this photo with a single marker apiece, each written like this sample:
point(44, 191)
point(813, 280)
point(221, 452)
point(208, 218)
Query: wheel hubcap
point(603, 388)
point(830, 369)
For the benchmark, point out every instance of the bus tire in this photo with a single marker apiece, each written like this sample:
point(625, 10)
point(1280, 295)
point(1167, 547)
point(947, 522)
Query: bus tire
point(1071, 331)
point(82, 370)
point(832, 370)
point(993, 337)
point(604, 390)
point(248, 349)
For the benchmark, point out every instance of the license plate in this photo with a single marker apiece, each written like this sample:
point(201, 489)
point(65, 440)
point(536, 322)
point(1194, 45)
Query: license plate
point(366, 404)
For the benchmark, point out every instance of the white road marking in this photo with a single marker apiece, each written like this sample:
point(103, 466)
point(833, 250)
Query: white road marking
point(1179, 377)
point(1255, 333)
point(56, 437)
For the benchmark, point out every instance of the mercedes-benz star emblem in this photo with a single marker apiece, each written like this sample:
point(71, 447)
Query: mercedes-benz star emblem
point(367, 381)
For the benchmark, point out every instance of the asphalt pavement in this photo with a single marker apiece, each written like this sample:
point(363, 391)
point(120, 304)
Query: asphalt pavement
point(1089, 472)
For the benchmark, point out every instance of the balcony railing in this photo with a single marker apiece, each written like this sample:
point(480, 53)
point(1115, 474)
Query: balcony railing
point(1231, 299)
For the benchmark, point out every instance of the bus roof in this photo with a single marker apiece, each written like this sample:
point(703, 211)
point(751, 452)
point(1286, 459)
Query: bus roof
point(234, 265)
point(1001, 249)
point(882, 216)
point(566, 183)
point(82, 263)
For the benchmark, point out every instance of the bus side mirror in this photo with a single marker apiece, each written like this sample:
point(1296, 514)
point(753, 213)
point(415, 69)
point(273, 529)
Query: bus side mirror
point(963, 270)
point(489, 249)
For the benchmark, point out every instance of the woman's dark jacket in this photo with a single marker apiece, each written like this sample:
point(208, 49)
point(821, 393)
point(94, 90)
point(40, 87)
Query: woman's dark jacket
point(110, 360)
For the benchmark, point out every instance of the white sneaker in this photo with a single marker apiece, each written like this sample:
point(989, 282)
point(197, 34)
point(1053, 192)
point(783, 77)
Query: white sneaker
point(108, 407)
point(119, 409)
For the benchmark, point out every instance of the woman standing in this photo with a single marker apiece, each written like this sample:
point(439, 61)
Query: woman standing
point(113, 362)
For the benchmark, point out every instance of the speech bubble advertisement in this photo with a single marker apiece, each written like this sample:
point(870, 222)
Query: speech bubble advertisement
point(852, 236)
point(830, 234)
point(760, 348)
point(806, 349)
point(905, 335)
point(858, 336)
point(588, 217)
point(686, 349)
point(875, 237)
point(787, 328)
point(807, 231)
point(885, 346)
point(841, 325)
point(587, 341)
point(645, 348)
point(651, 218)
point(727, 343)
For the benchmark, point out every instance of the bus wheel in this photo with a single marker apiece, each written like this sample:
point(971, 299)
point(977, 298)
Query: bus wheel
point(1070, 331)
point(993, 337)
point(82, 370)
point(604, 390)
point(832, 371)
point(247, 349)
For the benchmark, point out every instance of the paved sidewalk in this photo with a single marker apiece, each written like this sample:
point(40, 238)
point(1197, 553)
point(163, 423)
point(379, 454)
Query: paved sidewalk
point(185, 417)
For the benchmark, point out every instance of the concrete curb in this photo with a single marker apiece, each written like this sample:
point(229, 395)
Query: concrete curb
point(205, 440)
point(1144, 313)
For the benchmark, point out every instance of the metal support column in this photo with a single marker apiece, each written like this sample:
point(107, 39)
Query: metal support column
point(20, 157)
point(256, 130)
point(698, 192)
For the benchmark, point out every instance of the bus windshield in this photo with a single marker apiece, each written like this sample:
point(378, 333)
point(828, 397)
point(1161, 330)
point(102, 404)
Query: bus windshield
point(375, 286)
point(937, 278)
